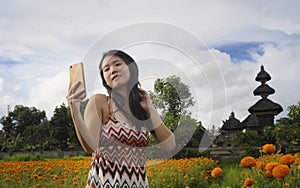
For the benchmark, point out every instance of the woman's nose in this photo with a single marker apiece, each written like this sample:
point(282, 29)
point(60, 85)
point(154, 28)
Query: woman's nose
point(114, 70)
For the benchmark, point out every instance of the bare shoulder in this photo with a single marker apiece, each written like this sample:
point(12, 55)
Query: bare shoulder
point(100, 103)
point(99, 98)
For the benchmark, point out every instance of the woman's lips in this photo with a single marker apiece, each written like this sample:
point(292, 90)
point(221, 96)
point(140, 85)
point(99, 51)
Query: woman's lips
point(115, 77)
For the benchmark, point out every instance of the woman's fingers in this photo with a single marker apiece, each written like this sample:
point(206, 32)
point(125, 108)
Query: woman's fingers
point(74, 87)
point(74, 94)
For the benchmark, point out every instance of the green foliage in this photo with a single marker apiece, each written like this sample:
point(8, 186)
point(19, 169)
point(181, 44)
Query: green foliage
point(17, 121)
point(23, 157)
point(173, 98)
point(249, 141)
point(294, 113)
point(11, 144)
point(17, 127)
point(59, 123)
point(285, 134)
point(73, 158)
point(27, 129)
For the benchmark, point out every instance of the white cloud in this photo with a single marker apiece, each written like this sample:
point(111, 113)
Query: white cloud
point(48, 92)
point(1, 84)
point(40, 39)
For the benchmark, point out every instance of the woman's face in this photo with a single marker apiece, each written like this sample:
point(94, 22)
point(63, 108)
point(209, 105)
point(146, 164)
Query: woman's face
point(116, 72)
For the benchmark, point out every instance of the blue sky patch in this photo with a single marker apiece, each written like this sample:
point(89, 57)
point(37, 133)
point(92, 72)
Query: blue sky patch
point(241, 51)
point(8, 62)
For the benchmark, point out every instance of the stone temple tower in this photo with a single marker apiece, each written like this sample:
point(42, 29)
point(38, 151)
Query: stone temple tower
point(264, 109)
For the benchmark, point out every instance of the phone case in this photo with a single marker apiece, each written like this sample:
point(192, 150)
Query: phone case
point(77, 74)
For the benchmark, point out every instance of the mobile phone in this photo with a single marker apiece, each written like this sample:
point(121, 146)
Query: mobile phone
point(77, 74)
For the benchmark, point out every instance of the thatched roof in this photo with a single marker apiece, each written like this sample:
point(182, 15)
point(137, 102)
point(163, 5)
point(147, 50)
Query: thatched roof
point(265, 105)
point(251, 121)
point(231, 124)
point(262, 76)
point(264, 89)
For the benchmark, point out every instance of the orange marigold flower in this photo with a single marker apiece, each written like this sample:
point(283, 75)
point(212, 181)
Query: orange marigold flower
point(7, 180)
point(281, 171)
point(248, 162)
point(260, 164)
point(268, 173)
point(270, 166)
point(248, 182)
point(299, 167)
point(287, 159)
point(216, 172)
point(35, 176)
point(268, 148)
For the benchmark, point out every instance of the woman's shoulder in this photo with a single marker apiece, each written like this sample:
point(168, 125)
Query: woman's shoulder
point(99, 96)
point(99, 103)
point(99, 99)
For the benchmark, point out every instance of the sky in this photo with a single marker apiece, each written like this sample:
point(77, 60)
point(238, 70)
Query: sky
point(215, 47)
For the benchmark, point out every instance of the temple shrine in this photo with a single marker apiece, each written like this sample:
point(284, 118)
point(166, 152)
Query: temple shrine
point(261, 113)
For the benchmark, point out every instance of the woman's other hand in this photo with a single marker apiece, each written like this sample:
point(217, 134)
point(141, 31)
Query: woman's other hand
point(146, 102)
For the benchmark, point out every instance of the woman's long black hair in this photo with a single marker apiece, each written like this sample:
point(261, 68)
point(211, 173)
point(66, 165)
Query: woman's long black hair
point(138, 113)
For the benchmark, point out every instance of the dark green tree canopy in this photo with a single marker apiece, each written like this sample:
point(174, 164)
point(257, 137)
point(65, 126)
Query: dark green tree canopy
point(173, 98)
point(20, 118)
point(28, 129)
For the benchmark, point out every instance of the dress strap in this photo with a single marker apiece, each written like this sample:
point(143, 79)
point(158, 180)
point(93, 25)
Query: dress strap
point(110, 110)
point(109, 106)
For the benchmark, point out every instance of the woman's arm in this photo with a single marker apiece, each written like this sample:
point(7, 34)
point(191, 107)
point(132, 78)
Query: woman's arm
point(160, 131)
point(87, 129)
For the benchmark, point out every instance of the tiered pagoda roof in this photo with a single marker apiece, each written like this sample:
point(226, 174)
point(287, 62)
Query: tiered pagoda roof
point(264, 105)
point(262, 76)
point(261, 113)
point(264, 90)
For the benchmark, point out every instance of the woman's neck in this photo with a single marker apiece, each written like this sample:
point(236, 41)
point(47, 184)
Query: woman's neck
point(124, 98)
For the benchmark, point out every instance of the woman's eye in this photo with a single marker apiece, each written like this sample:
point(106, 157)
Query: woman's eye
point(106, 69)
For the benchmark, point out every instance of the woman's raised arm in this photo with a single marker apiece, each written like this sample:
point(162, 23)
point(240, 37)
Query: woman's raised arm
point(87, 129)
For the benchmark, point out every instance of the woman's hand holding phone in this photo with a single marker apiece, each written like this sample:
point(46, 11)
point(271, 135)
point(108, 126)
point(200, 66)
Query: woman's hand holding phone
point(77, 90)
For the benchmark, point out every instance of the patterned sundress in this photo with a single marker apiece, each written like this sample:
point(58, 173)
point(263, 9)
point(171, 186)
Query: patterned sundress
point(120, 160)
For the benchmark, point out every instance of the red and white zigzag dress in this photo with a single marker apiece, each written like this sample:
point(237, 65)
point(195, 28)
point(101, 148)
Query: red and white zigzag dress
point(120, 161)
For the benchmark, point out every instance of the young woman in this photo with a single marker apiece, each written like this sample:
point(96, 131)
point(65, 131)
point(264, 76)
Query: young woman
point(115, 128)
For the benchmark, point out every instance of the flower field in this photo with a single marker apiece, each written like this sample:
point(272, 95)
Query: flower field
point(268, 171)
point(52, 173)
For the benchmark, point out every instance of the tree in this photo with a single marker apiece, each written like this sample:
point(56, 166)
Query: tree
point(294, 113)
point(16, 123)
point(59, 124)
point(37, 137)
point(21, 117)
point(173, 98)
